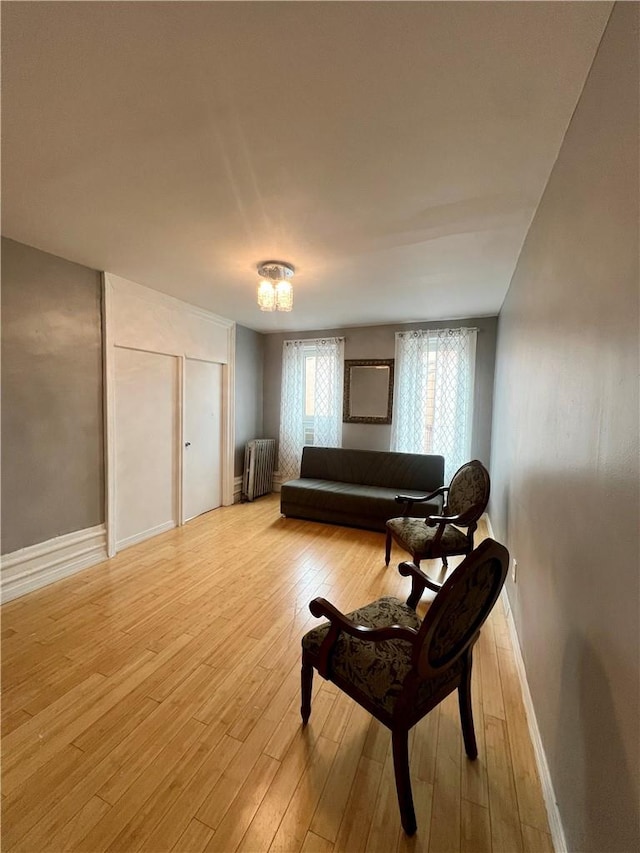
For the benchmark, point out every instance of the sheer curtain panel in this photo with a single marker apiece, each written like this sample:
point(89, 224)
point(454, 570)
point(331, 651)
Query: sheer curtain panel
point(311, 402)
point(433, 400)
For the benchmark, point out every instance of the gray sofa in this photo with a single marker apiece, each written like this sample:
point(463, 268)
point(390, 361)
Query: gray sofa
point(357, 488)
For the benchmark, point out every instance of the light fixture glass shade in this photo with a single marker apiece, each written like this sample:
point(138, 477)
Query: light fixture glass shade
point(266, 296)
point(284, 295)
point(275, 292)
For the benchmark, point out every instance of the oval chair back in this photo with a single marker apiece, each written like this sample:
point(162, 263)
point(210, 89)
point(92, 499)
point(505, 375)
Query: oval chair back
point(469, 491)
point(461, 607)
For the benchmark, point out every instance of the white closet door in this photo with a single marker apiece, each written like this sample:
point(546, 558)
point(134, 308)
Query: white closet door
point(202, 433)
point(146, 416)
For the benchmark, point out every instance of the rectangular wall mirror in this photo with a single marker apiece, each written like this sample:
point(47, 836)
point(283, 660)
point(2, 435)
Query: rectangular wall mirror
point(368, 391)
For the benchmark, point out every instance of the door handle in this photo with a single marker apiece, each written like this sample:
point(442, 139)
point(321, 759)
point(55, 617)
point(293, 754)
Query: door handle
point(187, 444)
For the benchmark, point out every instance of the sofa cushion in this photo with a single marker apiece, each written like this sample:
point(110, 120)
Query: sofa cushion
point(342, 500)
point(399, 471)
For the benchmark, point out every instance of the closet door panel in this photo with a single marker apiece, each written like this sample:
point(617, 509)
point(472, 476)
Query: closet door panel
point(146, 417)
point(202, 437)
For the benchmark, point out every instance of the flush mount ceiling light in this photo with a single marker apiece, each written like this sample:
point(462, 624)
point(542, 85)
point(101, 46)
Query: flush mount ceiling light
point(275, 291)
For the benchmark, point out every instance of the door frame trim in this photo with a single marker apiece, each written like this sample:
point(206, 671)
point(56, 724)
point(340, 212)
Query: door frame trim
point(112, 285)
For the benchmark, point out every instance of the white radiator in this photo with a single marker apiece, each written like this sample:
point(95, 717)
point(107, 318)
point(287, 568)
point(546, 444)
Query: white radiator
point(259, 462)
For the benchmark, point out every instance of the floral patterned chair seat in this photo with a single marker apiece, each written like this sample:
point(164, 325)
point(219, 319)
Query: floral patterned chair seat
point(378, 670)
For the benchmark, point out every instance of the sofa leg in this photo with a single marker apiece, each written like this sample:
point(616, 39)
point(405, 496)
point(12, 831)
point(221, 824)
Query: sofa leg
point(387, 549)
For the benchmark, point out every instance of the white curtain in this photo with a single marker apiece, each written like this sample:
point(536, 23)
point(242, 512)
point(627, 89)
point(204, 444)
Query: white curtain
point(433, 398)
point(324, 395)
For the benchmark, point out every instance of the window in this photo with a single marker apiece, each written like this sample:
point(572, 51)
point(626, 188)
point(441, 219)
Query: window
point(433, 405)
point(309, 394)
point(311, 402)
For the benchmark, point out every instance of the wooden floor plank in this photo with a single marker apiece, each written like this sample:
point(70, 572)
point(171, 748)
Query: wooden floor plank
point(315, 844)
point(297, 818)
point(445, 816)
point(378, 743)
point(108, 833)
point(223, 794)
point(476, 828)
point(423, 752)
point(245, 804)
point(180, 815)
point(359, 811)
point(385, 827)
point(493, 703)
point(13, 720)
point(71, 835)
point(531, 805)
point(266, 821)
point(506, 834)
point(151, 703)
point(194, 839)
point(536, 841)
point(423, 804)
point(135, 833)
point(328, 816)
point(71, 767)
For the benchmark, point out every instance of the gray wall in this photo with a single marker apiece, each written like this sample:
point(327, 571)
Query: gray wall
point(565, 455)
point(379, 342)
point(249, 370)
point(52, 426)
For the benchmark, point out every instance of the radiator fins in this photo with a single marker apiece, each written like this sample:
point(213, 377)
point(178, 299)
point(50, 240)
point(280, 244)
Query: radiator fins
point(259, 462)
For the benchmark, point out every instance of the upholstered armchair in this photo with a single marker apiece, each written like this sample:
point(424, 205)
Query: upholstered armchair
point(400, 667)
point(439, 536)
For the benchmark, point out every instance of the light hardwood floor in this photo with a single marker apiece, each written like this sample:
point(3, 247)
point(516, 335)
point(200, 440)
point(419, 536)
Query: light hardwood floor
point(152, 703)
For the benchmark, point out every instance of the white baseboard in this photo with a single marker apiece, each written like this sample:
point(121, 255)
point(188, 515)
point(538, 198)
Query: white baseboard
point(38, 565)
point(553, 815)
point(237, 489)
point(555, 822)
point(145, 534)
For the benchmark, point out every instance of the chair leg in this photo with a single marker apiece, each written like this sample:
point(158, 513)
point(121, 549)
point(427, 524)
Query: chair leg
point(445, 564)
point(418, 588)
point(414, 595)
point(306, 679)
point(387, 549)
point(466, 712)
point(400, 741)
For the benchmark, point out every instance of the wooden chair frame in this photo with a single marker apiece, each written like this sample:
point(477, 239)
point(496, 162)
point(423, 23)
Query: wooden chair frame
point(468, 519)
point(407, 712)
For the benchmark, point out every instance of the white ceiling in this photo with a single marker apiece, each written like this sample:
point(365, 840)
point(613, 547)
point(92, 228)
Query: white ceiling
point(395, 153)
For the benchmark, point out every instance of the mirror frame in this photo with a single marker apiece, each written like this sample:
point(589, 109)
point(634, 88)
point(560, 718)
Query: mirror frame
point(347, 417)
